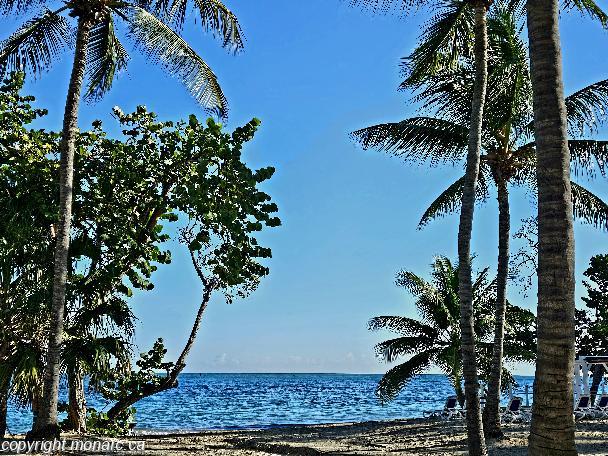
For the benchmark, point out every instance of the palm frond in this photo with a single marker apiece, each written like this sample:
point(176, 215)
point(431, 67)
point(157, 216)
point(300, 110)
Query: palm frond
point(446, 40)
point(447, 94)
point(402, 325)
point(214, 16)
point(587, 108)
point(36, 45)
point(586, 156)
point(524, 164)
point(509, 95)
point(114, 310)
point(448, 202)
point(94, 354)
point(413, 283)
point(589, 207)
point(419, 139)
point(588, 7)
point(390, 350)
point(106, 57)
point(451, 198)
point(26, 365)
point(449, 361)
point(163, 45)
point(19, 6)
point(395, 379)
point(436, 301)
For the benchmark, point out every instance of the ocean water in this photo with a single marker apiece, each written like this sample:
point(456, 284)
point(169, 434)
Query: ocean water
point(240, 401)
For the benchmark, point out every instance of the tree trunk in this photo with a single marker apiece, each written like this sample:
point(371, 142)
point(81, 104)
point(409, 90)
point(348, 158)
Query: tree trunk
point(476, 441)
point(459, 392)
point(552, 428)
point(170, 380)
point(45, 426)
point(596, 379)
point(491, 412)
point(37, 397)
point(77, 406)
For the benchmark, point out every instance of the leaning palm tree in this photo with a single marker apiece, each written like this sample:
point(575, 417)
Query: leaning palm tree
point(509, 156)
point(435, 339)
point(154, 27)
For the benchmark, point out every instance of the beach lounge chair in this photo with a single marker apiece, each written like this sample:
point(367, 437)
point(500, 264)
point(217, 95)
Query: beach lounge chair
point(449, 411)
point(514, 412)
point(583, 408)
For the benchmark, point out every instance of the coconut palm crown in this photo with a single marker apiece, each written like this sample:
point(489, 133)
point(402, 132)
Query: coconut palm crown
point(508, 146)
point(153, 26)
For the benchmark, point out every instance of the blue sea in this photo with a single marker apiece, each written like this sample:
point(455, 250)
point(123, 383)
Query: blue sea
point(242, 401)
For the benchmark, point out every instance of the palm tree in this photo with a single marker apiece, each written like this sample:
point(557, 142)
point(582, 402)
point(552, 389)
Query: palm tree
point(552, 428)
point(442, 34)
point(154, 28)
point(509, 155)
point(435, 339)
point(97, 344)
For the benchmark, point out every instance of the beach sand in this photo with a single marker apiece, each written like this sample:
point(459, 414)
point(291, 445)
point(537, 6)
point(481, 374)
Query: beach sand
point(407, 438)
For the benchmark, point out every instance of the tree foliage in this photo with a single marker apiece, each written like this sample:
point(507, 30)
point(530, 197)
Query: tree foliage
point(153, 27)
point(508, 147)
point(434, 339)
point(183, 180)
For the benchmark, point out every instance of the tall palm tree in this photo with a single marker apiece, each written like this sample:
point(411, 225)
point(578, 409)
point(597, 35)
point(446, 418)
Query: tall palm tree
point(154, 28)
point(465, 231)
point(435, 339)
point(439, 38)
point(509, 156)
point(552, 428)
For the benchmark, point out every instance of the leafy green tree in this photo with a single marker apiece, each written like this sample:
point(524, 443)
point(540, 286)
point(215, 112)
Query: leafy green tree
point(225, 209)
point(25, 244)
point(509, 153)
point(186, 174)
point(28, 170)
point(154, 27)
point(592, 322)
point(435, 339)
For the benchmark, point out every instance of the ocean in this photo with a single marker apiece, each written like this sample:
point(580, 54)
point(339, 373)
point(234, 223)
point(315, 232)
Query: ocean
point(244, 401)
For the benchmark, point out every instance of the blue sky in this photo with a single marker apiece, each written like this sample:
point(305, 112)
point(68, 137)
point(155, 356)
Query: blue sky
point(313, 72)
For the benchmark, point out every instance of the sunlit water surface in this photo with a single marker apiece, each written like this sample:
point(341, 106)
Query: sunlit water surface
point(237, 401)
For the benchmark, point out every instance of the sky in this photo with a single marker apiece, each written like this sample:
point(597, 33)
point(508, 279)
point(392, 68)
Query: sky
point(313, 72)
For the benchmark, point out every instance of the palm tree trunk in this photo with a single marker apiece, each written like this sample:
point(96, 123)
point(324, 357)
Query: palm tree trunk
point(476, 441)
point(491, 412)
point(459, 392)
point(46, 425)
point(596, 379)
point(552, 428)
point(77, 406)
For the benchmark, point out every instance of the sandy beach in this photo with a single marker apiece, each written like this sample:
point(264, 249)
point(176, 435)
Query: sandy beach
point(408, 437)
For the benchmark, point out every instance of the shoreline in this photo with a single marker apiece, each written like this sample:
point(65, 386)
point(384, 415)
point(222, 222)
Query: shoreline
point(416, 437)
